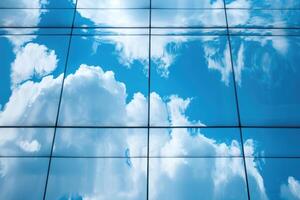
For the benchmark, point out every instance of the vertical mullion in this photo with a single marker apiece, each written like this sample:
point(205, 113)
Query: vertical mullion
point(149, 93)
point(59, 103)
point(236, 100)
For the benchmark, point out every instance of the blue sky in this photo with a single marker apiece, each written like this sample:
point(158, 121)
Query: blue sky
point(191, 84)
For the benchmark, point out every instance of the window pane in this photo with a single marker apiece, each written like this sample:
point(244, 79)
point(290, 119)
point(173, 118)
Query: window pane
point(267, 76)
point(112, 18)
point(188, 18)
point(187, 4)
point(272, 142)
point(110, 76)
point(244, 18)
point(22, 178)
point(278, 178)
point(34, 18)
point(197, 178)
point(191, 81)
point(266, 4)
point(113, 178)
point(113, 4)
point(25, 141)
point(194, 142)
point(37, 4)
point(101, 142)
point(31, 76)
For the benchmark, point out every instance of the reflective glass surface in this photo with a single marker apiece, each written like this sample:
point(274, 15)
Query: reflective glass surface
point(149, 99)
point(195, 142)
point(109, 178)
point(113, 4)
point(187, 4)
point(23, 178)
point(102, 142)
point(33, 4)
point(31, 75)
point(279, 178)
point(188, 18)
point(272, 142)
point(191, 76)
point(110, 75)
point(26, 141)
point(186, 178)
point(265, 4)
point(267, 80)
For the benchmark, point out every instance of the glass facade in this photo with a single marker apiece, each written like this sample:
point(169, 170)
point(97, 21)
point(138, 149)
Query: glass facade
point(149, 99)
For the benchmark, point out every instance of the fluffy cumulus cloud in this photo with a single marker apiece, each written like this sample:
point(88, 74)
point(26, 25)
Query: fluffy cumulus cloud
point(32, 60)
point(30, 102)
point(291, 189)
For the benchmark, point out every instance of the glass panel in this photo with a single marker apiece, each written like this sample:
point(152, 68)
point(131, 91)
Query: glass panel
point(22, 178)
point(36, 18)
point(267, 76)
point(31, 75)
point(276, 178)
point(197, 178)
point(25, 141)
point(264, 18)
point(187, 4)
point(265, 4)
point(188, 18)
point(101, 142)
point(191, 82)
point(272, 142)
point(194, 142)
point(37, 4)
point(112, 18)
point(89, 178)
point(113, 4)
point(111, 78)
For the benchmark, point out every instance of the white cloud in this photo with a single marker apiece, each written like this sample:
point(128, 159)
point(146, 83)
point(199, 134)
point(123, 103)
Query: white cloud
point(217, 60)
point(113, 4)
point(30, 146)
point(137, 108)
point(136, 48)
point(291, 190)
point(187, 4)
point(32, 60)
point(129, 48)
point(90, 84)
point(108, 94)
point(21, 18)
point(254, 176)
point(33, 102)
point(239, 64)
point(3, 168)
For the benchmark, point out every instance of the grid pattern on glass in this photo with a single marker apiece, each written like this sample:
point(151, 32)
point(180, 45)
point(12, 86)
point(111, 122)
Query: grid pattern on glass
point(149, 99)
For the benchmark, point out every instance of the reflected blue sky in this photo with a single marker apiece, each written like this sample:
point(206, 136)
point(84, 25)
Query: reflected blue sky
point(106, 83)
point(280, 177)
point(266, 4)
point(193, 75)
point(267, 80)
